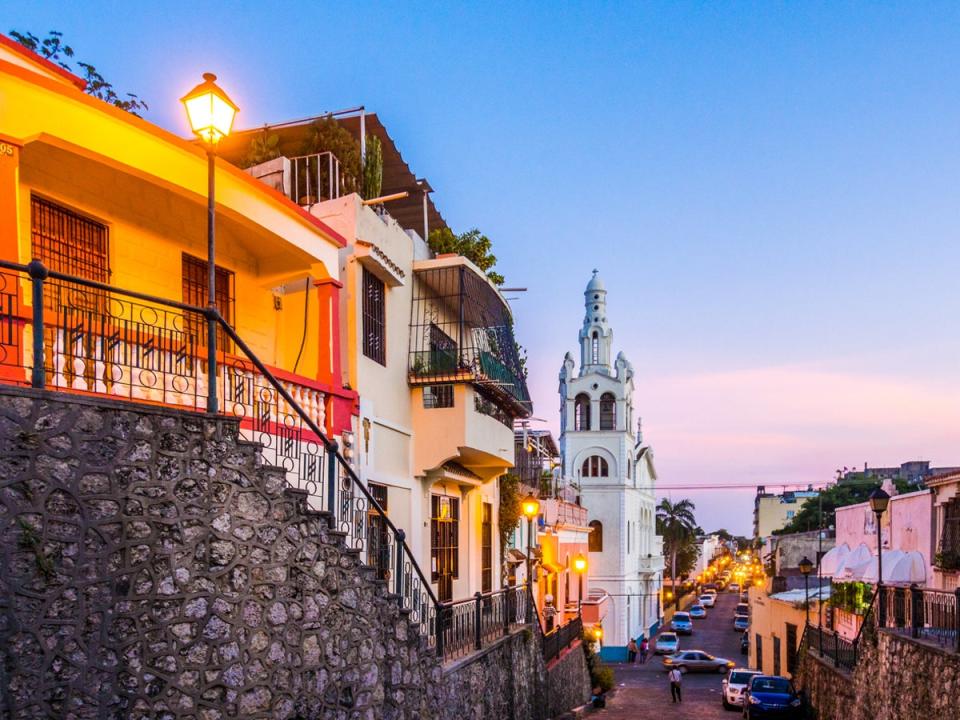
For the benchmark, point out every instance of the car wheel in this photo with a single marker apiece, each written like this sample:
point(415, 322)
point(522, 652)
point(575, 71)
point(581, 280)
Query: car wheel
point(726, 705)
point(722, 669)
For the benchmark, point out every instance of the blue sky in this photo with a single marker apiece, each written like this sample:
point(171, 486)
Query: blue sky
point(770, 191)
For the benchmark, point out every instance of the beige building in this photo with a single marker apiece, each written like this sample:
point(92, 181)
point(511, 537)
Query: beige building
point(772, 512)
point(776, 628)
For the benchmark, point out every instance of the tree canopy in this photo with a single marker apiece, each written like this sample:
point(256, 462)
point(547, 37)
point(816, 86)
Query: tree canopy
point(678, 527)
point(855, 488)
point(473, 245)
point(55, 50)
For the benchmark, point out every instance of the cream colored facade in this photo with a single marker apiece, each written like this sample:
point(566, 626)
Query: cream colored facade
point(776, 622)
point(773, 512)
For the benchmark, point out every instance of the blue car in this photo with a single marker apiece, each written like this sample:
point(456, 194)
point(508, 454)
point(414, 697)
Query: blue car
point(698, 612)
point(741, 623)
point(771, 696)
point(681, 623)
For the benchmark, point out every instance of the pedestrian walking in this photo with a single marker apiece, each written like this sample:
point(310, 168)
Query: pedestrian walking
point(644, 649)
point(674, 677)
point(632, 651)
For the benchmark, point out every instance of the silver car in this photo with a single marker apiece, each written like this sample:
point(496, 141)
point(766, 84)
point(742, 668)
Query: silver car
point(697, 661)
point(734, 684)
point(667, 643)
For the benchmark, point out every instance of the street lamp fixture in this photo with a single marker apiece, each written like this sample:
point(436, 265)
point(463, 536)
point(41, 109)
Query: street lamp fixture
point(879, 499)
point(211, 113)
point(530, 507)
point(580, 566)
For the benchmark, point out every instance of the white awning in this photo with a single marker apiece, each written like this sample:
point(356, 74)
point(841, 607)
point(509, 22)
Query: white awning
point(902, 568)
point(831, 561)
point(854, 564)
point(890, 558)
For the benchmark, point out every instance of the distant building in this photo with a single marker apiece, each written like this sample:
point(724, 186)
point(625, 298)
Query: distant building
point(772, 512)
point(915, 472)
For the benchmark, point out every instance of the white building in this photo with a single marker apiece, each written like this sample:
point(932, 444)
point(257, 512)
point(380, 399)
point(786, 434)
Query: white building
point(616, 475)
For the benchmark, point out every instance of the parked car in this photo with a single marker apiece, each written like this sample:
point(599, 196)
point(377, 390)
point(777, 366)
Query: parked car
point(710, 586)
point(681, 623)
point(667, 643)
point(734, 587)
point(745, 642)
point(697, 612)
point(741, 622)
point(734, 685)
point(708, 600)
point(697, 661)
point(742, 609)
point(771, 696)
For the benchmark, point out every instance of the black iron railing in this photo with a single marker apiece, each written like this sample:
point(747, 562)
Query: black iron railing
point(560, 638)
point(470, 625)
point(91, 338)
point(923, 614)
point(831, 644)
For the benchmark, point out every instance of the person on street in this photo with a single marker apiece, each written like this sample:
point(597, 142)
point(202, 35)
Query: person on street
point(674, 677)
point(644, 649)
point(632, 651)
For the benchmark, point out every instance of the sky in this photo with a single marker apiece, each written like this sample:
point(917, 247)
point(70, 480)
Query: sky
point(769, 191)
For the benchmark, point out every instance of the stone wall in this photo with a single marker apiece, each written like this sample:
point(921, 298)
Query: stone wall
point(895, 678)
point(149, 568)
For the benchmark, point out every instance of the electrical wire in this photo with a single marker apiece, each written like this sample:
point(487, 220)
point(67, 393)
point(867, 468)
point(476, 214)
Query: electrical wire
point(306, 309)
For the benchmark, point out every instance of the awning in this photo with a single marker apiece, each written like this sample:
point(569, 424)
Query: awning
point(515, 557)
point(854, 564)
point(831, 561)
point(551, 567)
point(898, 567)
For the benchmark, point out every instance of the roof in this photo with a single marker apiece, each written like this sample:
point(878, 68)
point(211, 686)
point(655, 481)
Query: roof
point(544, 436)
point(595, 282)
point(44, 63)
point(397, 175)
point(942, 479)
point(799, 595)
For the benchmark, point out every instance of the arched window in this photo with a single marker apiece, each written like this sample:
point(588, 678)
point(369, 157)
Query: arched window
point(581, 419)
point(608, 412)
point(594, 466)
point(595, 347)
point(595, 538)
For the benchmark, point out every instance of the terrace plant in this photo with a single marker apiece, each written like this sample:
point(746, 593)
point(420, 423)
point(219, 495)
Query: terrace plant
point(947, 560)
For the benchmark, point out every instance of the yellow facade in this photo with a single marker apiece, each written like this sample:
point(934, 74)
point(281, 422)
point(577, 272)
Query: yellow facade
point(774, 623)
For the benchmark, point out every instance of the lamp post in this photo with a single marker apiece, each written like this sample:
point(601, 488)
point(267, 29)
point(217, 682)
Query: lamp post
point(210, 112)
point(580, 565)
point(878, 503)
point(531, 508)
point(806, 567)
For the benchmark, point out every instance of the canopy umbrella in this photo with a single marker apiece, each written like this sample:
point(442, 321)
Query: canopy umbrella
point(832, 559)
point(911, 568)
point(890, 560)
point(853, 565)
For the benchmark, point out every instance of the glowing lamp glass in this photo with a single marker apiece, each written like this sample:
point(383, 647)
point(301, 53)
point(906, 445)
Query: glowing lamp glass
point(209, 110)
point(530, 506)
point(580, 563)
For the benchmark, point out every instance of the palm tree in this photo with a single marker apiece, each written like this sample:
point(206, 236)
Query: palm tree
point(675, 522)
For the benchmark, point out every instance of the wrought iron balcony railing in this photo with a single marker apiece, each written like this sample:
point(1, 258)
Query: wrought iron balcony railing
point(469, 625)
point(923, 614)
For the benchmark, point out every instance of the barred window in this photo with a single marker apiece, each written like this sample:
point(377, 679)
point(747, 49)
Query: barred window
point(437, 396)
point(444, 544)
point(486, 548)
point(608, 412)
point(374, 318)
point(195, 292)
point(595, 466)
point(68, 242)
point(581, 412)
point(378, 539)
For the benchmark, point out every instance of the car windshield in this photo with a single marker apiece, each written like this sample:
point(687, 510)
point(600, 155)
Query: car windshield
point(741, 678)
point(668, 637)
point(681, 616)
point(770, 685)
point(697, 607)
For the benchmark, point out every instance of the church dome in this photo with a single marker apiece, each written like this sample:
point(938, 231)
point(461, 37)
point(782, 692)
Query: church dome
point(595, 282)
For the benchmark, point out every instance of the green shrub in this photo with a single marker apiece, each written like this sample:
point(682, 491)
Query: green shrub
point(601, 675)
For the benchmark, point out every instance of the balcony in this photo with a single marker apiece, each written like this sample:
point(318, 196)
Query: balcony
point(595, 607)
point(462, 332)
point(561, 512)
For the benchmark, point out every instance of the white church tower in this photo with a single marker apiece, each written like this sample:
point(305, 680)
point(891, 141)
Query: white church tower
point(615, 472)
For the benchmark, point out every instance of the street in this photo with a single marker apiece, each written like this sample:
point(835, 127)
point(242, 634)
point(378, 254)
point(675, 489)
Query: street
point(643, 690)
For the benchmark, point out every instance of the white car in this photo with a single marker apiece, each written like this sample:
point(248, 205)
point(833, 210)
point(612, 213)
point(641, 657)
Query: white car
point(708, 600)
point(734, 684)
point(667, 644)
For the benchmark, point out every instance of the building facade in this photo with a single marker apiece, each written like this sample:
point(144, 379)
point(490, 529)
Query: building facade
point(616, 476)
point(773, 511)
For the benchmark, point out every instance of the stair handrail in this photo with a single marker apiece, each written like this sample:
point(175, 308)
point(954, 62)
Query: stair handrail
point(38, 272)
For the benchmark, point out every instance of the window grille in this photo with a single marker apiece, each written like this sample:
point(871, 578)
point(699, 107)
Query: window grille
point(486, 548)
point(374, 320)
point(581, 412)
point(378, 541)
point(195, 288)
point(595, 466)
point(69, 243)
point(776, 655)
point(608, 412)
point(444, 544)
point(759, 652)
point(437, 396)
point(791, 648)
point(950, 535)
point(595, 348)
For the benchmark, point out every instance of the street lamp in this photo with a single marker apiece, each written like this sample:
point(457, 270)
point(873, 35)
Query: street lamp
point(530, 507)
point(878, 503)
point(580, 565)
point(210, 112)
point(806, 567)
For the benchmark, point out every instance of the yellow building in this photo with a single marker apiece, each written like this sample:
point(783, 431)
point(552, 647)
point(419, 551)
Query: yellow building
point(776, 627)
point(94, 192)
point(772, 512)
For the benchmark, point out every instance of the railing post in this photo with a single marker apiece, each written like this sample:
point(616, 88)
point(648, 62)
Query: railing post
point(529, 610)
point(398, 584)
point(508, 610)
point(476, 620)
point(38, 273)
point(836, 649)
point(956, 620)
point(332, 480)
point(438, 628)
point(213, 405)
point(881, 604)
point(916, 610)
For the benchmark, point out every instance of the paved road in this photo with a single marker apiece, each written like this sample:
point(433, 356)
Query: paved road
point(643, 691)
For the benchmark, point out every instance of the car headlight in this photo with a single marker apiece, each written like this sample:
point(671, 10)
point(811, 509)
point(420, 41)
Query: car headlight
point(754, 701)
point(795, 702)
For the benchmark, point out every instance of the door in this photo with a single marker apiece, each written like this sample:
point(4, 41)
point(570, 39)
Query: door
point(776, 655)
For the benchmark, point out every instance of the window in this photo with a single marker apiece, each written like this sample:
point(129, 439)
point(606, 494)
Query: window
point(595, 466)
point(608, 412)
point(759, 652)
point(437, 396)
point(595, 538)
point(595, 348)
point(790, 514)
point(776, 655)
point(69, 243)
point(581, 419)
point(629, 528)
point(374, 318)
point(950, 535)
point(791, 648)
point(486, 548)
point(444, 550)
point(195, 289)
point(378, 541)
